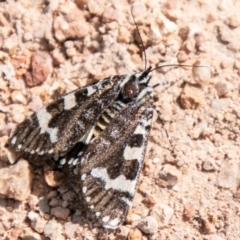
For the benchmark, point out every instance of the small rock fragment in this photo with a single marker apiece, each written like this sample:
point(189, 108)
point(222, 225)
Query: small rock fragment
point(18, 97)
point(60, 212)
point(123, 232)
point(175, 236)
point(162, 212)
point(54, 202)
point(233, 21)
point(199, 40)
point(222, 88)
point(182, 56)
point(70, 229)
point(32, 201)
point(188, 212)
point(29, 234)
point(201, 72)
point(70, 23)
point(81, 3)
point(71, 52)
point(53, 230)
point(15, 181)
point(216, 237)
point(135, 234)
point(149, 201)
point(228, 176)
point(10, 43)
point(170, 174)
point(37, 222)
point(8, 70)
point(208, 227)
point(109, 15)
point(69, 196)
point(144, 188)
point(41, 69)
point(149, 225)
point(191, 97)
point(54, 178)
point(132, 217)
point(11, 155)
point(43, 205)
point(208, 166)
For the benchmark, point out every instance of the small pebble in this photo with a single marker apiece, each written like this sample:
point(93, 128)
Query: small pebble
point(135, 234)
point(60, 212)
point(54, 178)
point(15, 180)
point(191, 97)
point(201, 72)
point(163, 213)
point(148, 225)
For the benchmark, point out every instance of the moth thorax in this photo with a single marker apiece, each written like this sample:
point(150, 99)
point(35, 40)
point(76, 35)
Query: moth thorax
point(130, 90)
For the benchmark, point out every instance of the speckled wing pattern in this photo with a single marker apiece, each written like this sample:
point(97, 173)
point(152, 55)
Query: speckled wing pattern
point(55, 129)
point(102, 130)
point(111, 164)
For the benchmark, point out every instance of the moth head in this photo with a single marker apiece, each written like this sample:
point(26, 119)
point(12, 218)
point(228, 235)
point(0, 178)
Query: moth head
point(130, 90)
point(135, 84)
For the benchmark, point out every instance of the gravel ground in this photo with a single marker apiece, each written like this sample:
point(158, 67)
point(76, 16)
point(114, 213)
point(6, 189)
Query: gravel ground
point(48, 48)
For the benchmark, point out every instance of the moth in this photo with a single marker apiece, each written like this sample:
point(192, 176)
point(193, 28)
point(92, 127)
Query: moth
point(102, 130)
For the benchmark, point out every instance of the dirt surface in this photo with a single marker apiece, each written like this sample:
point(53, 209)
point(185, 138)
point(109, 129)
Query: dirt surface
point(189, 187)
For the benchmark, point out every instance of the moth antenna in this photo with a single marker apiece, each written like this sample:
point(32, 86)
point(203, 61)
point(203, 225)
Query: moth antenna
point(143, 46)
point(178, 65)
point(173, 65)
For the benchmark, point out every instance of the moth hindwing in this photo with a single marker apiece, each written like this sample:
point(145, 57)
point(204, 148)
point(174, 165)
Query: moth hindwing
point(101, 129)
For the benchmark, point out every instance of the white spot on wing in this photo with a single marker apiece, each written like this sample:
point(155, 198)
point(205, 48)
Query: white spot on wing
point(50, 151)
point(41, 153)
point(84, 189)
point(83, 177)
point(120, 183)
point(44, 118)
point(88, 199)
point(53, 134)
point(97, 214)
point(63, 161)
point(131, 153)
point(91, 90)
point(127, 201)
point(105, 219)
point(70, 161)
point(75, 161)
point(113, 224)
point(69, 101)
point(140, 130)
point(14, 140)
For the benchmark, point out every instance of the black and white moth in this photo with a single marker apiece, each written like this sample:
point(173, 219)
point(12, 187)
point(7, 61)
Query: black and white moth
point(101, 129)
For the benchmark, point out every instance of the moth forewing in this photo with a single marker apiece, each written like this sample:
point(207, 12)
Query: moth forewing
point(55, 129)
point(111, 164)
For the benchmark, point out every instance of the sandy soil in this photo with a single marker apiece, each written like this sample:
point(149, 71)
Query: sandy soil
point(49, 48)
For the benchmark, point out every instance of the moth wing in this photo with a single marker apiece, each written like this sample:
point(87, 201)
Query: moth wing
point(111, 164)
point(55, 129)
